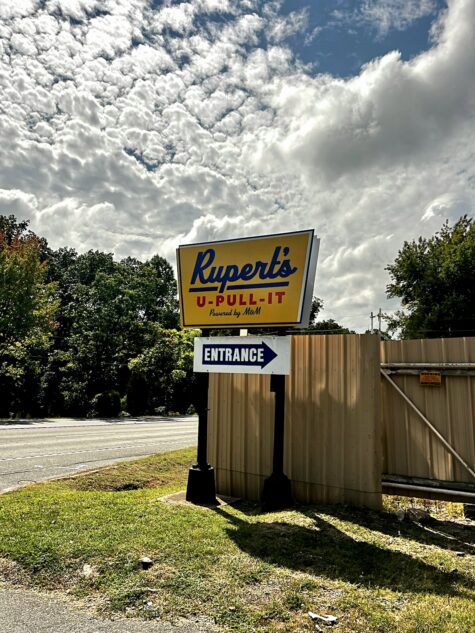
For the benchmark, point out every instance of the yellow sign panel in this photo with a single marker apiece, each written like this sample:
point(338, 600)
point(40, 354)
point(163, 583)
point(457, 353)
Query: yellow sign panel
point(430, 378)
point(251, 282)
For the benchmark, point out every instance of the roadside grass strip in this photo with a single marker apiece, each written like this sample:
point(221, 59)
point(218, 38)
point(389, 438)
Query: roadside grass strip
point(233, 566)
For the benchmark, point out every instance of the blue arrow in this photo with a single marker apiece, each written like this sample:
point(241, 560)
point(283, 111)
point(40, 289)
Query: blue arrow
point(243, 354)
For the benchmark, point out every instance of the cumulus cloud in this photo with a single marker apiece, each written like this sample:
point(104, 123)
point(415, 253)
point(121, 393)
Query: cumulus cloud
point(132, 127)
point(17, 8)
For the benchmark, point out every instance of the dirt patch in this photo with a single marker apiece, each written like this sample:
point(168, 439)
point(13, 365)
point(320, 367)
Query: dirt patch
point(11, 571)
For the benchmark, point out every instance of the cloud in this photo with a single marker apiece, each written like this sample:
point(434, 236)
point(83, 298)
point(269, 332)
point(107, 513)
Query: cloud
point(17, 8)
point(21, 204)
point(178, 18)
point(385, 15)
point(133, 128)
point(284, 27)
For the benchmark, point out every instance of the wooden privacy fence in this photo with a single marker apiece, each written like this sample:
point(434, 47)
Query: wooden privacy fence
point(333, 443)
point(346, 426)
point(411, 450)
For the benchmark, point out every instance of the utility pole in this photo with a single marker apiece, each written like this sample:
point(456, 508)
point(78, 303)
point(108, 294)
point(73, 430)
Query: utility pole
point(380, 316)
point(371, 316)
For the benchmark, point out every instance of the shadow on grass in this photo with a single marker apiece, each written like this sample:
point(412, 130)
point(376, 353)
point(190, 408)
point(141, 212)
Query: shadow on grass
point(324, 550)
point(448, 535)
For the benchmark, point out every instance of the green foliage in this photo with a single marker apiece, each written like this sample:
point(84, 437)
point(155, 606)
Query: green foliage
point(110, 314)
point(12, 230)
point(317, 306)
point(27, 308)
point(104, 315)
point(106, 404)
point(328, 326)
point(27, 303)
point(434, 278)
point(162, 375)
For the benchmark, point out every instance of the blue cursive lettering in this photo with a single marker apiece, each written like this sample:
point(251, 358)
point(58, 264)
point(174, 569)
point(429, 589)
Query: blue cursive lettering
point(206, 273)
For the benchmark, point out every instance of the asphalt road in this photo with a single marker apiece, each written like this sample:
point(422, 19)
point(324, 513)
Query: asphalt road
point(36, 450)
point(23, 611)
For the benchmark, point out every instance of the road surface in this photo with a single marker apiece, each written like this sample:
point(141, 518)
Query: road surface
point(36, 450)
point(24, 611)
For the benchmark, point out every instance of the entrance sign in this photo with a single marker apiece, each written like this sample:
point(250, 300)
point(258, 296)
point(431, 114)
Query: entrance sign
point(242, 355)
point(250, 282)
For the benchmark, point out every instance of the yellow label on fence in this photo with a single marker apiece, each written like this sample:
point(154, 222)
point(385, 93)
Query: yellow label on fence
point(430, 378)
point(251, 282)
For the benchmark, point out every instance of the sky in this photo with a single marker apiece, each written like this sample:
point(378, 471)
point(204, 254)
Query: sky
point(133, 126)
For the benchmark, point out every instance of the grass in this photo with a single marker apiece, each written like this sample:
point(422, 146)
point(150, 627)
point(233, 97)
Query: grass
point(233, 566)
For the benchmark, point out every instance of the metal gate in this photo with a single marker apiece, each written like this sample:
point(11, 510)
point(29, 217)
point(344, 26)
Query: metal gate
point(428, 398)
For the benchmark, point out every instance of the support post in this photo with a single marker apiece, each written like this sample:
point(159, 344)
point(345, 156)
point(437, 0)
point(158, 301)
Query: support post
point(201, 487)
point(277, 493)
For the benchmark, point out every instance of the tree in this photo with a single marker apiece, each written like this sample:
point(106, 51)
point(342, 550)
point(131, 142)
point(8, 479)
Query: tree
point(26, 301)
point(435, 280)
point(11, 230)
point(27, 310)
point(71, 323)
point(108, 315)
point(162, 376)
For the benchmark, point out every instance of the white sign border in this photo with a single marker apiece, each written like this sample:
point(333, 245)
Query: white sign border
point(281, 345)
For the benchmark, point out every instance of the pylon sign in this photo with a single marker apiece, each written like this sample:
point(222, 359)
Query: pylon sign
point(250, 282)
point(242, 355)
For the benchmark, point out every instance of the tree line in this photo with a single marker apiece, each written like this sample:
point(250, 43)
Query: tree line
point(83, 334)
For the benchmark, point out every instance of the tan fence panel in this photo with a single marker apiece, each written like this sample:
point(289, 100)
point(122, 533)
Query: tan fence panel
point(409, 447)
point(332, 441)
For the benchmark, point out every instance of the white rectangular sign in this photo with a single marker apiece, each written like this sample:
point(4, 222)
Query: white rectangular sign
point(242, 355)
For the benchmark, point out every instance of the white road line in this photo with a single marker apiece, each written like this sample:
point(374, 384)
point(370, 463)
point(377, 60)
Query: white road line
point(76, 466)
point(86, 438)
point(90, 450)
point(50, 425)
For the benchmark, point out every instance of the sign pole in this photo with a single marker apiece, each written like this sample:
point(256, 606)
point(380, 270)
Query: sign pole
point(277, 492)
point(201, 487)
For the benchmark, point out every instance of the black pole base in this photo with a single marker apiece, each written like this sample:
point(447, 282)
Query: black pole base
point(277, 493)
point(201, 488)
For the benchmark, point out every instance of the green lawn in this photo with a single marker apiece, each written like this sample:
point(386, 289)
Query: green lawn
point(245, 570)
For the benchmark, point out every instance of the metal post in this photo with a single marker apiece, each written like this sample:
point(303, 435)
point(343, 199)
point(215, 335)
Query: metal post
point(201, 487)
point(277, 492)
point(277, 385)
point(202, 384)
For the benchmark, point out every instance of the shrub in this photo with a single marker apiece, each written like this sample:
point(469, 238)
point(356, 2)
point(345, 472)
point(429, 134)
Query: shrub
point(106, 404)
